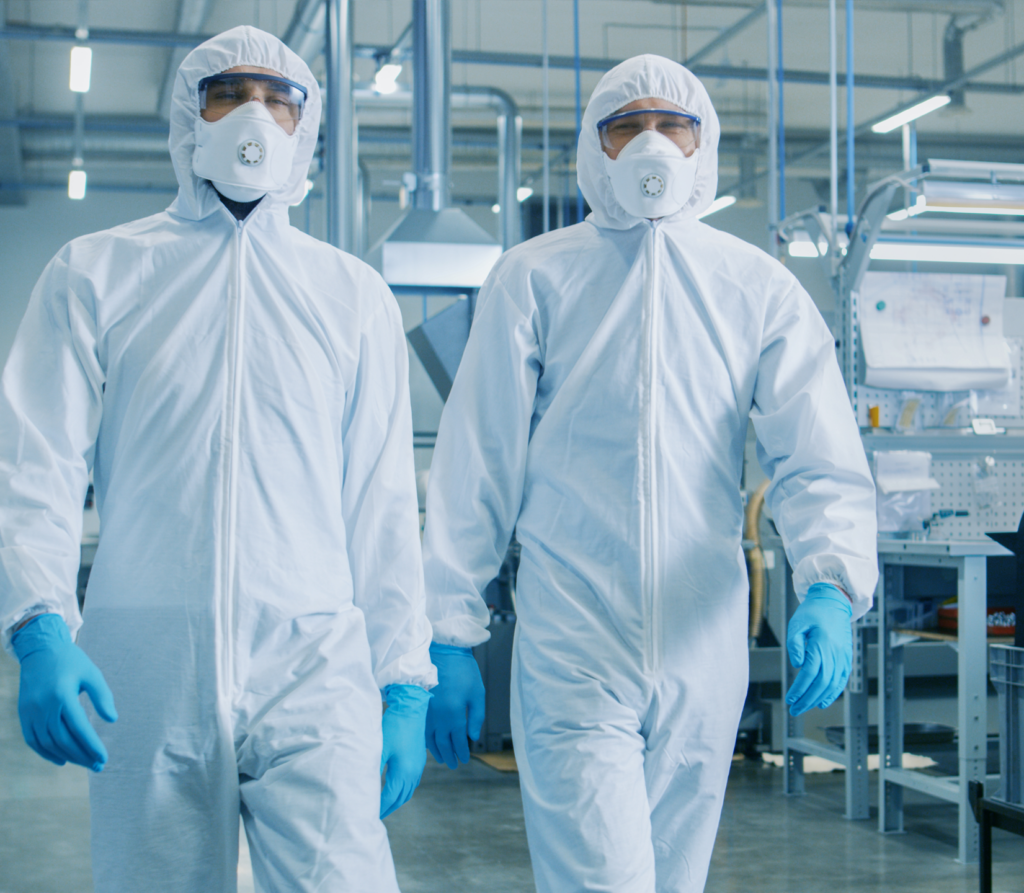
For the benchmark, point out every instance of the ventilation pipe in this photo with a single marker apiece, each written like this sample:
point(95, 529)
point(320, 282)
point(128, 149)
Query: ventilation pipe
point(339, 154)
point(432, 91)
point(433, 245)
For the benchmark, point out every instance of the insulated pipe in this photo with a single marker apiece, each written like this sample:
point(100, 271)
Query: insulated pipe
point(339, 160)
point(545, 120)
point(851, 207)
point(773, 134)
point(510, 137)
point(305, 32)
point(755, 558)
point(833, 132)
point(782, 124)
point(431, 91)
point(579, 104)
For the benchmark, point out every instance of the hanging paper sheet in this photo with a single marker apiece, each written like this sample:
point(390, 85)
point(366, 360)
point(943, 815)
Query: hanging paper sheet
point(934, 331)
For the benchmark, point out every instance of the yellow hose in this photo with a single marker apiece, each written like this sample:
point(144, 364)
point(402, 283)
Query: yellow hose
point(755, 558)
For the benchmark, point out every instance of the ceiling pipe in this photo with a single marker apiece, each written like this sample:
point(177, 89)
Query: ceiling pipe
point(305, 34)
point(431, 97)
point(339, 144)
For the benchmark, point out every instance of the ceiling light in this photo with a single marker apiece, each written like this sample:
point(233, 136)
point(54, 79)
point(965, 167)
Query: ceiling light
point(76, 184)
point(945, 253)
point(523, 193)
point(81, 69)
point(722, 202)
point(385, 81)
point(496, 208)
point(911, 114)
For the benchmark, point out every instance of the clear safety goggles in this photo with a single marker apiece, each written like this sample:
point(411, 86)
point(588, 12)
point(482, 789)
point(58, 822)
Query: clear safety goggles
point(223, 93)
point(680, 127)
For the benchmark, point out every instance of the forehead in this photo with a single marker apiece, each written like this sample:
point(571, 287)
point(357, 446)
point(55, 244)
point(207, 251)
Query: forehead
point(251, 69)
point(649, 103)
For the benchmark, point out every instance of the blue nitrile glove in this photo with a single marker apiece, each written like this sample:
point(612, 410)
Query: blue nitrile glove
point(820, 642)
point(403, 753)
point(457, 708)
point(54, 671)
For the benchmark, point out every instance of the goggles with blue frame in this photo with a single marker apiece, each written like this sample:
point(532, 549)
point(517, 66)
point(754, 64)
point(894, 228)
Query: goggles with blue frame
point(680, 127)
point(223, 93)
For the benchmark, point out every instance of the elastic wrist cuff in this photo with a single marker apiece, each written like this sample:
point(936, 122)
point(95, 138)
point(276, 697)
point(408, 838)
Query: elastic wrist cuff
point(39, 634)
point(831, 592)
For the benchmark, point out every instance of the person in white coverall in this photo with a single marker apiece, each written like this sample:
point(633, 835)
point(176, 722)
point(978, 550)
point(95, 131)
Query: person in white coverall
point(239, 391)
point(600, 411)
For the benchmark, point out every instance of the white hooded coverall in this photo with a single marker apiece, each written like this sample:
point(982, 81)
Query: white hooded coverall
point(240, 392)
point(601, 411)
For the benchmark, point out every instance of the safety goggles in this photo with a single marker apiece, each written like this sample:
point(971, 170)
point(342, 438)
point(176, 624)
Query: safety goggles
point(223, 93)
point(680, 127)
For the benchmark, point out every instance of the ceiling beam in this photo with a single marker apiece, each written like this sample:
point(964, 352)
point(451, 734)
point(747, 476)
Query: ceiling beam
point(11, 172)
point(865, 127)
point(191, 18)
point(725, 36)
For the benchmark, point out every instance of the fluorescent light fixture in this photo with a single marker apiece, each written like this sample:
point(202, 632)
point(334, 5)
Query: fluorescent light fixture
point(386, 79)
point(802, 246)
point(523, 193)
point(911, 114)
point(723, 201)
point(76, 184)
point(81, 69)
point(951, 197)
point(495, 208)
point(945, 253)
point(803, 249)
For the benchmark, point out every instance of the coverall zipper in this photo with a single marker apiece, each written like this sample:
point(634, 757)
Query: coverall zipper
point(231, 424)
point(648, 427)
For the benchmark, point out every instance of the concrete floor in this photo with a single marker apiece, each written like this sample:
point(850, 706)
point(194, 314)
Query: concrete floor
point(464, 831)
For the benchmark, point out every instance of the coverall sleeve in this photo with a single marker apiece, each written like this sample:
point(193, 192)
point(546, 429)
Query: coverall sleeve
point(479, 466)
point(380, 506)
point(822, 495)
point(51, 400)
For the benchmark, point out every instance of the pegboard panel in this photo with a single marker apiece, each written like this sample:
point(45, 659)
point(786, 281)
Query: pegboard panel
point(936, 405)
point(993, 501)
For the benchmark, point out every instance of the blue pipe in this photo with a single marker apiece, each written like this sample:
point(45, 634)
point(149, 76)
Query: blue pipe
point(850, 185)
point(579, 107)
point(782, 130)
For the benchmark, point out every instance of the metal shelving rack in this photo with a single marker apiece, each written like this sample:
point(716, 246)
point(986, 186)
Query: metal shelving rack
point(961, 542)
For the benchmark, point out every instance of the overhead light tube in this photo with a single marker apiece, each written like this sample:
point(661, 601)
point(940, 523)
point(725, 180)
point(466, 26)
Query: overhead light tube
point(911, 114)
point(386, 79)
point(76, 184)
point(948, 253)
point(81, 69)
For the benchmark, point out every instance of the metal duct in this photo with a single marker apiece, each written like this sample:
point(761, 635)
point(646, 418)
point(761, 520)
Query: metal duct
point(306, 31)
point(339, 155)
point(510, 139)
point(431, 125)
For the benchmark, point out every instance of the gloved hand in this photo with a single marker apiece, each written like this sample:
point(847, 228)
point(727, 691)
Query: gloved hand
point(403, 754)
point(460, 691)
point(54, 671)
point(820, 642)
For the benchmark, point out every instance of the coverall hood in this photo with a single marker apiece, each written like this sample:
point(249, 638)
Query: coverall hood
point(243, 45)
point(645, 77)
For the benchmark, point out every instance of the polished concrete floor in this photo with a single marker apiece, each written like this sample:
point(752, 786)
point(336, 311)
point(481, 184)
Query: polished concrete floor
point(464, 832)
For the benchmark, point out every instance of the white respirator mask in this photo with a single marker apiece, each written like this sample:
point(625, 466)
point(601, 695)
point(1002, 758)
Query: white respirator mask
point(652, 177)
point(245, 154)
